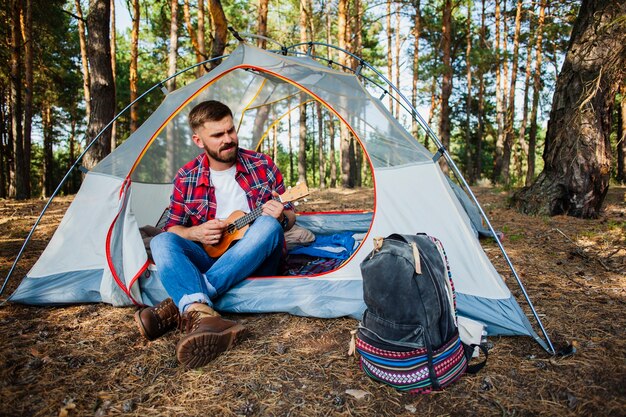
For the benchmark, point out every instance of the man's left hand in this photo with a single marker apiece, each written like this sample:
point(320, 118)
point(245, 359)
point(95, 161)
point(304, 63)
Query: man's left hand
point(273, 208)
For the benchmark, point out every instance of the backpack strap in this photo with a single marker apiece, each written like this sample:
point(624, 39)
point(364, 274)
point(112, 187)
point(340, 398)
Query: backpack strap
point(475, 368)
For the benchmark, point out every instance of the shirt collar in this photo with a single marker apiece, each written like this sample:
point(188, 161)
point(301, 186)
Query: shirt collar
point(204, 172)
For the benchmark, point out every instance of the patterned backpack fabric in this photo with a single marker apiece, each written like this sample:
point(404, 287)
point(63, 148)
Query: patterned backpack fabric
point(408, 337)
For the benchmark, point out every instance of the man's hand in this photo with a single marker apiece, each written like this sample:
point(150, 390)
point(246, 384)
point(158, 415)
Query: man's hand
point(208, 233)
point(273, 208)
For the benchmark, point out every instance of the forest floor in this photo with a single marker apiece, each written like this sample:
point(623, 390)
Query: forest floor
point(90, 360)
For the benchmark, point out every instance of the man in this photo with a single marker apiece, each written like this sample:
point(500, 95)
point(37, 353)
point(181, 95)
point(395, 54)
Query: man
point(222, 179)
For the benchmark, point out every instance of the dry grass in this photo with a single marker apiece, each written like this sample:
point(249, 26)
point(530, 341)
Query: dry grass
point(90, 360)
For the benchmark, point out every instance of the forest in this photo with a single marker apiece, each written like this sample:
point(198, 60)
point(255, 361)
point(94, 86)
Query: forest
point(484, 75)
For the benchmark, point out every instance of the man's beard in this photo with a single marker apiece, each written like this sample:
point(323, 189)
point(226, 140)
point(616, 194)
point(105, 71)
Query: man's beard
point(216, 155)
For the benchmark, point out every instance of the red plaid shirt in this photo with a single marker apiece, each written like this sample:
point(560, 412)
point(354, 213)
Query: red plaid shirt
point(193, 198)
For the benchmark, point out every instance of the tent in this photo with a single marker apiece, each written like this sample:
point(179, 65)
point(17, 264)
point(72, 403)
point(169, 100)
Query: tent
point(97, 253)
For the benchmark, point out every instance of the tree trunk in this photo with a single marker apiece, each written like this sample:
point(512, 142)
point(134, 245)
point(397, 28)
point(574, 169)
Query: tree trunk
point(192, 33)
point(83, 58)
point(102, 86)
point(289, 134)
point(262, 23)
point(220, 31)
point(48, 157)
point(200, 38)
point(434, 103)
point(521, 137)
point(621, 137)
point(468, 103)
point(478, 146)
point(532, 134)
point(358, 32)
point(19, 179)
point(4, 152)
point(346, 166)
point(320, 139)
point(577, 152)
point(172, 57)
point(332, 172)
point(332, 159)
point(497, 168)
point(417, 29)
point(302, 142)
point(398, 43)
point(134, 56)
point(114, 70)
point(446, 81)
point(510, 109)
point(27, 33)
point(389, 54)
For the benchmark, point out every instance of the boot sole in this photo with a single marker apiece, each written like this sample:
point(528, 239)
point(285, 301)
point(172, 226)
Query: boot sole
point(142, 329)
point(197, 349)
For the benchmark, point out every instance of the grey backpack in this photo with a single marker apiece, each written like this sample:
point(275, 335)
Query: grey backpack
point(408, 337)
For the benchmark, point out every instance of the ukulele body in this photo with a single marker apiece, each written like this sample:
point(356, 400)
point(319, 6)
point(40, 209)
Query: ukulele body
point(231, 234)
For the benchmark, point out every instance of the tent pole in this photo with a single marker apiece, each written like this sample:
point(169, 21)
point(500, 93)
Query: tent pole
point(79, 159)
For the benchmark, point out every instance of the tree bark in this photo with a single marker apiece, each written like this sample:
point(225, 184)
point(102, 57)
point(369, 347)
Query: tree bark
point(172, 57)
point(497, 168)
point(417, 29)
point(18, 183)
point(510, 109)
point(220, 31)
point(332, 159)
point(48, 158)
point(201, 38)
point(478, 146)
point(102, 86)
point(4, 152)
point(114, 70)
point(398, 43)
point(27, 34)
point(577, 151)
point(192, 33)
point(262, 23)
point(134, 57)
point(389, 54)
point(347, 176)
point(446, 81)
point(621, 137)
point(320, 143)
point(537, 85)
point(83, 58)
point(468, 102)
point(302, 142)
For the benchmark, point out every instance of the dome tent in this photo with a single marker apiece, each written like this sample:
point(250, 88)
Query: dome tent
point(97, 253)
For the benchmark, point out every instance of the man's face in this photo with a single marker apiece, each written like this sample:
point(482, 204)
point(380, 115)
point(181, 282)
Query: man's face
point(219, 140)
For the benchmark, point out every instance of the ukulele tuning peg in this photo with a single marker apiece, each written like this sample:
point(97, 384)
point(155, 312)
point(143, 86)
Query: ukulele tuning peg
point(306, 200)
point(296, 203)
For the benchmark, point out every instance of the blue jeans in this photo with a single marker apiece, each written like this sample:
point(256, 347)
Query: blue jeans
point(190, 276)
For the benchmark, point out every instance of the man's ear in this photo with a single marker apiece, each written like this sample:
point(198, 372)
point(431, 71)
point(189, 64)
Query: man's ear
point(196, 139)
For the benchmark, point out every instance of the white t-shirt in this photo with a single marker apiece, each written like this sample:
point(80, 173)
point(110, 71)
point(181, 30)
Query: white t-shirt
point(229, 195)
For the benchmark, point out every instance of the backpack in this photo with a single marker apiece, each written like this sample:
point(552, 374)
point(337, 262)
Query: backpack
point(408, 337)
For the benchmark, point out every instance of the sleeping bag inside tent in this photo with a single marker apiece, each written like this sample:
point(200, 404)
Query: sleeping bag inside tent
point(97, 253)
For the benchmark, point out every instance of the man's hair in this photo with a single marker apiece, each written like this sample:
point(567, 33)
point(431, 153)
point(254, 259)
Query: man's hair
point(208, 111)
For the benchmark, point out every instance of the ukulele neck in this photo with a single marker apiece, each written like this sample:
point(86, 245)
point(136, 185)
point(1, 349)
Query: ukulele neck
point(248, 218)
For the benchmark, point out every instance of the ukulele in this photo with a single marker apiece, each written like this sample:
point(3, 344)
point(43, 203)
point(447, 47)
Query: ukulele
point(238, 221)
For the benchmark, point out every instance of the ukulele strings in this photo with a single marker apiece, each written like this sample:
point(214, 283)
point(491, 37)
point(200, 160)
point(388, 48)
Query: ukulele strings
point(246, 219)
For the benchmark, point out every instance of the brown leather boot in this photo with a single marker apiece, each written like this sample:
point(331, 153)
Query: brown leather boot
point(154, 322)
point(205, 337)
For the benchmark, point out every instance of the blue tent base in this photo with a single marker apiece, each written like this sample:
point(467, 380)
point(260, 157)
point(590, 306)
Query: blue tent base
point(311, 297)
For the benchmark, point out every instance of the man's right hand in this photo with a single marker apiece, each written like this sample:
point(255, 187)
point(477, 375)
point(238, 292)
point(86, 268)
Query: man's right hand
point(208, 233)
